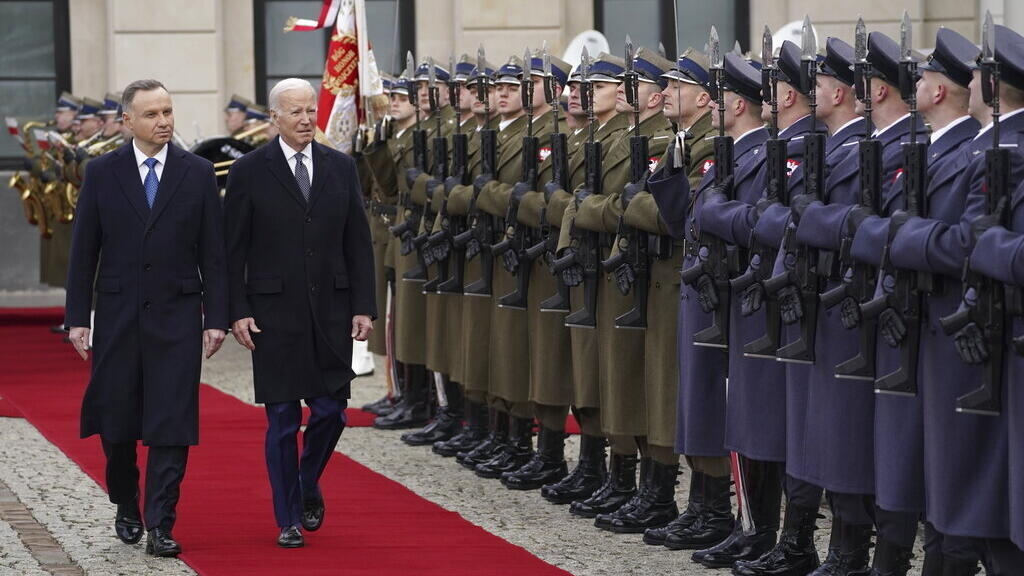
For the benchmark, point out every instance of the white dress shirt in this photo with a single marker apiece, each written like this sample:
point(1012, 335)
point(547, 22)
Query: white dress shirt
point(289, 156)
point(140, 161)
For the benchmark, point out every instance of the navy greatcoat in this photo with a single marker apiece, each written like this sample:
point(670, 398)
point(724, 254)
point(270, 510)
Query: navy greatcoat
point(301, 269)
point(155, 273)
point(700, 430)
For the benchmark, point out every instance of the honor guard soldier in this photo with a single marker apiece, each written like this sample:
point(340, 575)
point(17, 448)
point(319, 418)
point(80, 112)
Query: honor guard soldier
point(53, 265)
point(234, 114)
point(701, 410)
point(979, 500)
point(111, 113)
point(64, 115)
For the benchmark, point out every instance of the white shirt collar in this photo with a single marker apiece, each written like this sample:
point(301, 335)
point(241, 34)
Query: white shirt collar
point(878, 133)
point(505, 123)
point(747, 133)
point(289, 151)
point(848, 124)
point(945, 129)
point(1002, 118)
point(140, 156)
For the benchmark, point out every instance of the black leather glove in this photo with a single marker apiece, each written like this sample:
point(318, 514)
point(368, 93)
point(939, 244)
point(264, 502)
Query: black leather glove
point(719, 192)
point(762, 206)
point(896, 221)
point(472, 248)
point(856, 217)
point(706, 293)
point(411, 174)
point(80, 155)
point(971, 344)
point(518, 191)
point(389, 274)
point(428, 256)
point(849, 313)
point(441, 250)
point(799, 203)
point(510, 261)
point(407, 245)
point(450, 183)
point(791, 306)
point(582, 194)
point(480, 181)
point(751, 299)
point(573, 275)
point(550, 188)
point(983, 223)
point(431, 185)
point(629, 191)
point(624, 278)
point(892, 327)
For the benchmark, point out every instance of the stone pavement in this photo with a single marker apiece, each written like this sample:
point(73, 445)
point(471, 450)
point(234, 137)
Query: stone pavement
point(40, 486)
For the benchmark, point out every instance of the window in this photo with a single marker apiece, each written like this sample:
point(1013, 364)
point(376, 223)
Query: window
point(279, 55)
point(35, 64)
point(649, 22)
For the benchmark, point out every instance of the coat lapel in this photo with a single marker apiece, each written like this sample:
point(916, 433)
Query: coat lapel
point(278, 166)
point(320, 175)
point(131, 184)
point(170, 180)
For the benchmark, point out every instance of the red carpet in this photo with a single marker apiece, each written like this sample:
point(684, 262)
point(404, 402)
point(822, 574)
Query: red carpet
point(374, 526)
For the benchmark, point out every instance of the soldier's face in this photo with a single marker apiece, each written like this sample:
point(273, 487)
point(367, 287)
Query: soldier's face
point(926, 87)
point(63, 119)
point(110, 127)
point(89, 127)
point(509, 101)
point(575, 107)
point(424, 97)
point(604, 97)
point(401, 109)
point(151, 117)
point(538, 90)
point(295, 117)
point(234, 119)
point(976, 104)
point(466, 98)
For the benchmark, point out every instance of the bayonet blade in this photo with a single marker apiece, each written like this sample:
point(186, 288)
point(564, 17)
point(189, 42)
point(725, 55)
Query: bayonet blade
point(716, 50)
point(906, 38)
point(527, 62)
point(584, 64)
point(767, 52)
point(808, 40)
point(480, 59)
point(410, 66)
point(988, 51)
point(546, 61)
point(737, 49)
point(860, 41)
point(629, 55)
point(661, 50)
point(451, 66)
point(431, 74)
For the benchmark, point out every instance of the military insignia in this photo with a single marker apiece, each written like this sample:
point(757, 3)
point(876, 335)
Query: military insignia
point(791, 165)
point(543, 153)
point(706, 166)
point(652, 163)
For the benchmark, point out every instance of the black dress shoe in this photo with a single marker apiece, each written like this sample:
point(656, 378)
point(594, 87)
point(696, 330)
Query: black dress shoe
point(128, 523)
point(290, 537)
point(161, 543)
point(379, 407)
point(313, 514)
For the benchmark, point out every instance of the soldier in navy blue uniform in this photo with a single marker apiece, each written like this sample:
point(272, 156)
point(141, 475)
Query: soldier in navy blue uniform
point(969, 482)
point(942, 97)
point(756, 404)
point(701, 402)
point(838, 440)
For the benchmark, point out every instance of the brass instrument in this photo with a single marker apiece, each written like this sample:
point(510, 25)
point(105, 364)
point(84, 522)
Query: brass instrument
point(254, 135)
point(35, 213)
point(102, 147)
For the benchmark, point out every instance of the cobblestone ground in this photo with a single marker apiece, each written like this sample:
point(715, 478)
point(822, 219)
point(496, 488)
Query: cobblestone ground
point(72, 510)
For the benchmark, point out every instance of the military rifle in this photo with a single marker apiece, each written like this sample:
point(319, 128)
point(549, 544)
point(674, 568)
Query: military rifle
point(409, 227)
point(988, 311)
point(512, 248)
point(632, 261)
point(585, 242)
point(439, 149)
point(858, 282)
point(713, 254)
point(453, 225)
point(477, 239)
point(905, 296)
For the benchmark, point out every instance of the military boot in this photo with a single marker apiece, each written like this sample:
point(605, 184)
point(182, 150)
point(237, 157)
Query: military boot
point(474, 431)
point(413, 410)
point(957, 567)
point(657, 536)
point(491, 445)
point(891, 559)
point(603, 520)
point(585, 479)
point(445, 425)
point(619, 486)
point(715, 521)
point(380, 407)
point(514, 454)
point(654, 506)
point(851, 557)
point(546, 466)
point(794, 555)
point(763, 481)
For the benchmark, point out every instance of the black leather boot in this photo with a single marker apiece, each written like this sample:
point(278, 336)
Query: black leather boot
point(654, 506)
point(794, 555)
point(473, 432)
point(891, 559)
point(380, 407)
point(445, 425)
point(413, 410)
point(546, 466)
point(763, 482)
point(491, 445)
point(715, 521)
point(851, 557)
point(603, 520)
point(585, 479)
point(657, 536)
point(516, 452)
point(957, 567)
point(618, 488)
point(738, 546)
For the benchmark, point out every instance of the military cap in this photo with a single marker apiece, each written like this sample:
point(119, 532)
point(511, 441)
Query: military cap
point(606, 68)
point(952, 56)
point(742, 78)
point(464, 68)
point(439, 73)
point(237, 103)
point(838, 61)
point(559, 68)
point(400, 86)
point(111, 103)
point(256, 112)
point(691, 67)
point(1009, 52)
point(387, 81)
point(89, 109)
point(884, 57)
point(788, 62)
point(650, 67)
point(510, 72)
point(68, 101)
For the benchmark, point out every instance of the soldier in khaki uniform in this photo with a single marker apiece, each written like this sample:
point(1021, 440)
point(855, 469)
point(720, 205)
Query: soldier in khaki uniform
point(53, 250)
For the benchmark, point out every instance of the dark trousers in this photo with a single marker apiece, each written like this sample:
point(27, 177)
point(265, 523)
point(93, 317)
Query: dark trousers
point(853, 509)
point(294, 479)
point(165, 469)
point(897, 527)
point(803, 494)
point(1000, 556)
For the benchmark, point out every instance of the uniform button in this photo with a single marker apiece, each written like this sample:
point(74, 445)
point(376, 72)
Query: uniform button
point(312, 287)
point(308, 219)
point(149, 267)
point(146, 304)
point(309, 252)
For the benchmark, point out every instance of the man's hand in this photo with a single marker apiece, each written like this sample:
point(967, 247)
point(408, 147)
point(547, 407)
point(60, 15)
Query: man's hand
point(480, 181)
point(212, 340)
point(719, 192)
point(706, 293)
point(550, 188)
point(857, 216)
point(518, 191)
point(892, 327)
point(450, 183)
point(510, 261)
point(582, 194)
point(432, 185)
point(79, 337)
point(624, 278)
point(241, 330)
point(361, 327)
point(971, 344)
point(791, 306)
point(849, 313)
point(983, 223)
point(751, 299)
point(411, 174)
point(799, 203)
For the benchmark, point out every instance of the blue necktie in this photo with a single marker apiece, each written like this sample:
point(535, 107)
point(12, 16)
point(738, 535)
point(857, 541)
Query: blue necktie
point(151, 183)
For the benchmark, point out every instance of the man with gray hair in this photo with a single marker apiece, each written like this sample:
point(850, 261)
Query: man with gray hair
point(148, 238)
point(301, 288)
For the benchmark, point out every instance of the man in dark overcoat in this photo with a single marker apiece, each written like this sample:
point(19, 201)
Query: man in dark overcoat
point(148, 238)
point(301, 287)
